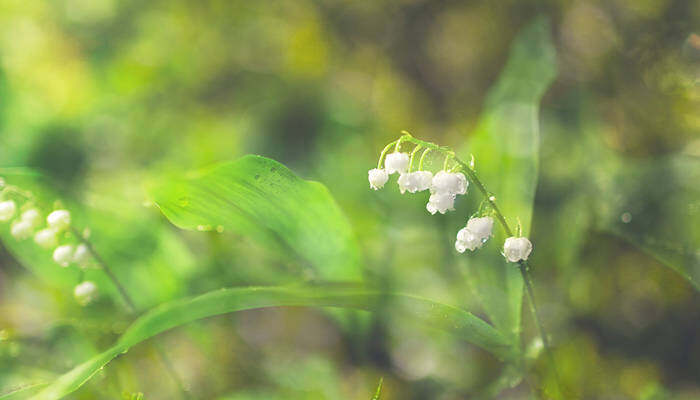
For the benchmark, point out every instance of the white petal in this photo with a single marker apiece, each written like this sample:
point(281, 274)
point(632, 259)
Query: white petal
point(59, 219)
point(7, 210)
point(85, 292)
point(396, 162)
point(377, 178)
point(63, 255)
point(46, 238)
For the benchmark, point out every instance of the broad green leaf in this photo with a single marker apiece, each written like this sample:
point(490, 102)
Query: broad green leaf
point(506, 148)
point(434, 315)
point(261, 198)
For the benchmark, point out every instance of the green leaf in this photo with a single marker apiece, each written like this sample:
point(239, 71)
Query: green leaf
point(261, 198)
point(506, 147)
point(23, 393)
point(432, 314)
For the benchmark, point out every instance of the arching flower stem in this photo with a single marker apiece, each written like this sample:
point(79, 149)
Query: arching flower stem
point(522, 265)
point(413, 154)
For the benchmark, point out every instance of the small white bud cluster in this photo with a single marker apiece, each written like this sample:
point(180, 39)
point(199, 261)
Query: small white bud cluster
point(50, 237)
point(85, 292)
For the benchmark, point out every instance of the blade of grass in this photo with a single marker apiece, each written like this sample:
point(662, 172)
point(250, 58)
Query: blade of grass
point(432, 314)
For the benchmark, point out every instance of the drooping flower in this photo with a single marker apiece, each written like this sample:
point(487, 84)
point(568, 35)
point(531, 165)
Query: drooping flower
point(475, 234)
point(7, 210)
point(31, 216)
point(85, 292)
point(21, 229)
point(440, 202)
point(63, 255)
point(81, 256)
point(517, 248)
point(449, 182)
point(59, 219)
point(46, 238)
point(377, 178)
point(396, 162)
point(414, 181)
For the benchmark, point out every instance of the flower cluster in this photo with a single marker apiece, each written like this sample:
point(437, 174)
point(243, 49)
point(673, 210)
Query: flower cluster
point(444, 186)
point(50, 233)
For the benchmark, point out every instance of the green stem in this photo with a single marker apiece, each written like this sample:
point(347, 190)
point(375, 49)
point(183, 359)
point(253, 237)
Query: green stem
point(413, 153)
point(131, 308)
point(422, 157)
point(522, 265)
point(384, 151)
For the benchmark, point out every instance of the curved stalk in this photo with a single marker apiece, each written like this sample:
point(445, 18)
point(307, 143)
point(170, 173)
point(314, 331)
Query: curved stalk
point(522, 265)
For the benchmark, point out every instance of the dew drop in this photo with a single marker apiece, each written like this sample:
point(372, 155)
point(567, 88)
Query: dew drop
point(626, 218)
point(492, 198)
point(203, 228)
point(219, 228)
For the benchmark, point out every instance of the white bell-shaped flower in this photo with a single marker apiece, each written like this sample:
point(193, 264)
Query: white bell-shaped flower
point(449, 182)
point(396, 162)
point(517, 248)
point(46, 238)
point(415, 181)
point(21, 229)
point(85, 292)
point(81, 256)
point(32, 216)
point(440, 202)
point(377, 178)
point(475, 234)
point(8, 208)
point(59, 219)
point(422, 180)
point(63, 255)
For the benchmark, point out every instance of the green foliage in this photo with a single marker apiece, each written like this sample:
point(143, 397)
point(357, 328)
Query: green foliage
point(263, 199)
point(435, 315)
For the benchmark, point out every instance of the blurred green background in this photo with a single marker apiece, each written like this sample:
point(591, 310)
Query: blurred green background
point(103, 95)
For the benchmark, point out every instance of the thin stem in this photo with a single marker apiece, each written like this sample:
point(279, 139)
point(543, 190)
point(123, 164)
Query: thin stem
point(413, 153)
point(131, 307)
point(522, 265)
point(422, 157)
point(103, 265)
point(384, 151)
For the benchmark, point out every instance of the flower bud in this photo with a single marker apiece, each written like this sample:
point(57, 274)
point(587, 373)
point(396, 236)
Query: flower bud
point(475, 234)
point(377, 178)
point(415, 181)
point(81, 255)
point(21, 229)
point(448, 182)
point(85, 292)
point(31, 216)
point(7, 210)
point(63, 255)
point(46, 238)
point(59, 219)
point(440, 202)
point(396, 162)
point(517, 248)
